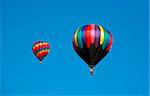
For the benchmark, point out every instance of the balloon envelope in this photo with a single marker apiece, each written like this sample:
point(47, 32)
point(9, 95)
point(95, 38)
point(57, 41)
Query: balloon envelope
point(92, 43)
point(40, 50)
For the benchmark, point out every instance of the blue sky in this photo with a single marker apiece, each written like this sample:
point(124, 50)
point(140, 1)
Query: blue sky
point(123, 71)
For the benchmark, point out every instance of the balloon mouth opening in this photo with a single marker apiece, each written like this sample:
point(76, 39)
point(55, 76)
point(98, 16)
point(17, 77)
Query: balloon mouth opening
point(91, 71)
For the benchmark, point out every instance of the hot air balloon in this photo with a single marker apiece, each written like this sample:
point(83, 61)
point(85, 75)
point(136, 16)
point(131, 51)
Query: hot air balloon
point(92, 42)
point(40, 50)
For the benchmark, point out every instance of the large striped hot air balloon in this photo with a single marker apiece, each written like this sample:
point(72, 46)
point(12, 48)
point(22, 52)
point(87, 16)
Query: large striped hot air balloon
point(40, 50)
point(92, 43)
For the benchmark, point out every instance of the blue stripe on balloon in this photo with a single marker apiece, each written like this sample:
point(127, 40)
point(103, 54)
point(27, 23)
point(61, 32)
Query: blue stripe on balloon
point(83, 31)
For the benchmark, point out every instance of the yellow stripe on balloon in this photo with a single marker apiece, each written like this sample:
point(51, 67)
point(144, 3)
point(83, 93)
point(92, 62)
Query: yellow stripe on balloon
point(102, 35)
point(40, 44)
point(36, 45)
point(44, 43)
point(75, 37)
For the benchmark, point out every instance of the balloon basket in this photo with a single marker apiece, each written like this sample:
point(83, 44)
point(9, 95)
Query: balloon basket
point(40, 62)
point(91, 71)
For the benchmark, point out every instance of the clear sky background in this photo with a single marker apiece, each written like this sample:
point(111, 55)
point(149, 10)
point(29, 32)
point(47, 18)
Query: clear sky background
point(123, 71)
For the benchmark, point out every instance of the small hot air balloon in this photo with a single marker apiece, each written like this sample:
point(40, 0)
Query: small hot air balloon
point(92, 42)
point(40, 50)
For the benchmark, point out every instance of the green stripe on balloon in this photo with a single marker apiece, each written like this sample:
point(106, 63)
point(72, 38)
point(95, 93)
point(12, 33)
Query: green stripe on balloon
point(106, 39)
point(79, 38)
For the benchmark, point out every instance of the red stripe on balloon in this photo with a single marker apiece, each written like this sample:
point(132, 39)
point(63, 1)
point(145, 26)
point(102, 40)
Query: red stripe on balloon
point(38, 46)
point(35, 49)
point(46, 52)
point(38, 55)
point(92, 31)
point(43, 53)
point(43, 45)
point(87, 36)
